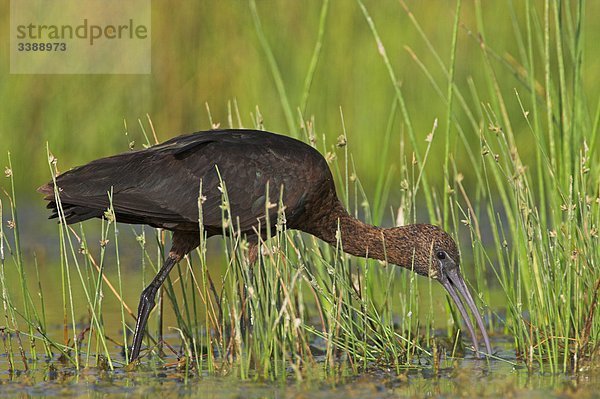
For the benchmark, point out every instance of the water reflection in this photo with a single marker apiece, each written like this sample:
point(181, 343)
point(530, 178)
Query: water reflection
point(467, 377)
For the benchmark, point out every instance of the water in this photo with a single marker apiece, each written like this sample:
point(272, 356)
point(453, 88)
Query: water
point(466, 377)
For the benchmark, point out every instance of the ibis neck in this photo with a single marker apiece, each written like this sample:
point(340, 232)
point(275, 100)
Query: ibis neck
point(354, 237)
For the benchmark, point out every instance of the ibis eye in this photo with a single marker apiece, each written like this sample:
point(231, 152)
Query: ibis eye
point(441, 255)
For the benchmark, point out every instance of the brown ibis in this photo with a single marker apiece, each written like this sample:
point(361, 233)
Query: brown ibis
point(159, 186)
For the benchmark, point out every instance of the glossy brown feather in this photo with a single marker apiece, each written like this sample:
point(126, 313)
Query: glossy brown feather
point(160, 185)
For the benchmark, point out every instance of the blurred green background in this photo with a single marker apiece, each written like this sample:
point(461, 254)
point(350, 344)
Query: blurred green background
point(210, 52)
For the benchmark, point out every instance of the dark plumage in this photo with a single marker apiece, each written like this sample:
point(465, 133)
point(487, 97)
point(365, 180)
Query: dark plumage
point(160, 186)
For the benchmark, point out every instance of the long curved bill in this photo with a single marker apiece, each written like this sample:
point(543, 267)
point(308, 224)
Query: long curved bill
point(455, 285)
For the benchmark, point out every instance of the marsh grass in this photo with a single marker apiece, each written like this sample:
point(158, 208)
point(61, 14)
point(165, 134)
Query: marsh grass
point(531, 229)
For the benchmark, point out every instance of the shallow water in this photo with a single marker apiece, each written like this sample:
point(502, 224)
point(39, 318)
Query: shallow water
point(466, 377)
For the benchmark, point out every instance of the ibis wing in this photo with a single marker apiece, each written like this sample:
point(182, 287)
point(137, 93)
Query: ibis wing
point(142, 189)
point(245, 183)
point(161, 186)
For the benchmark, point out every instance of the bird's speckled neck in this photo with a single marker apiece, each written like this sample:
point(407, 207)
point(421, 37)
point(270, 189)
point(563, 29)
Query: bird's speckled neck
point(361, 239)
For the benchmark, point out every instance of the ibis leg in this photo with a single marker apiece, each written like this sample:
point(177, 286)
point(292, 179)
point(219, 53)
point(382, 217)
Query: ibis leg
point(246, 316)
point(252, 253)
point(147, 303)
